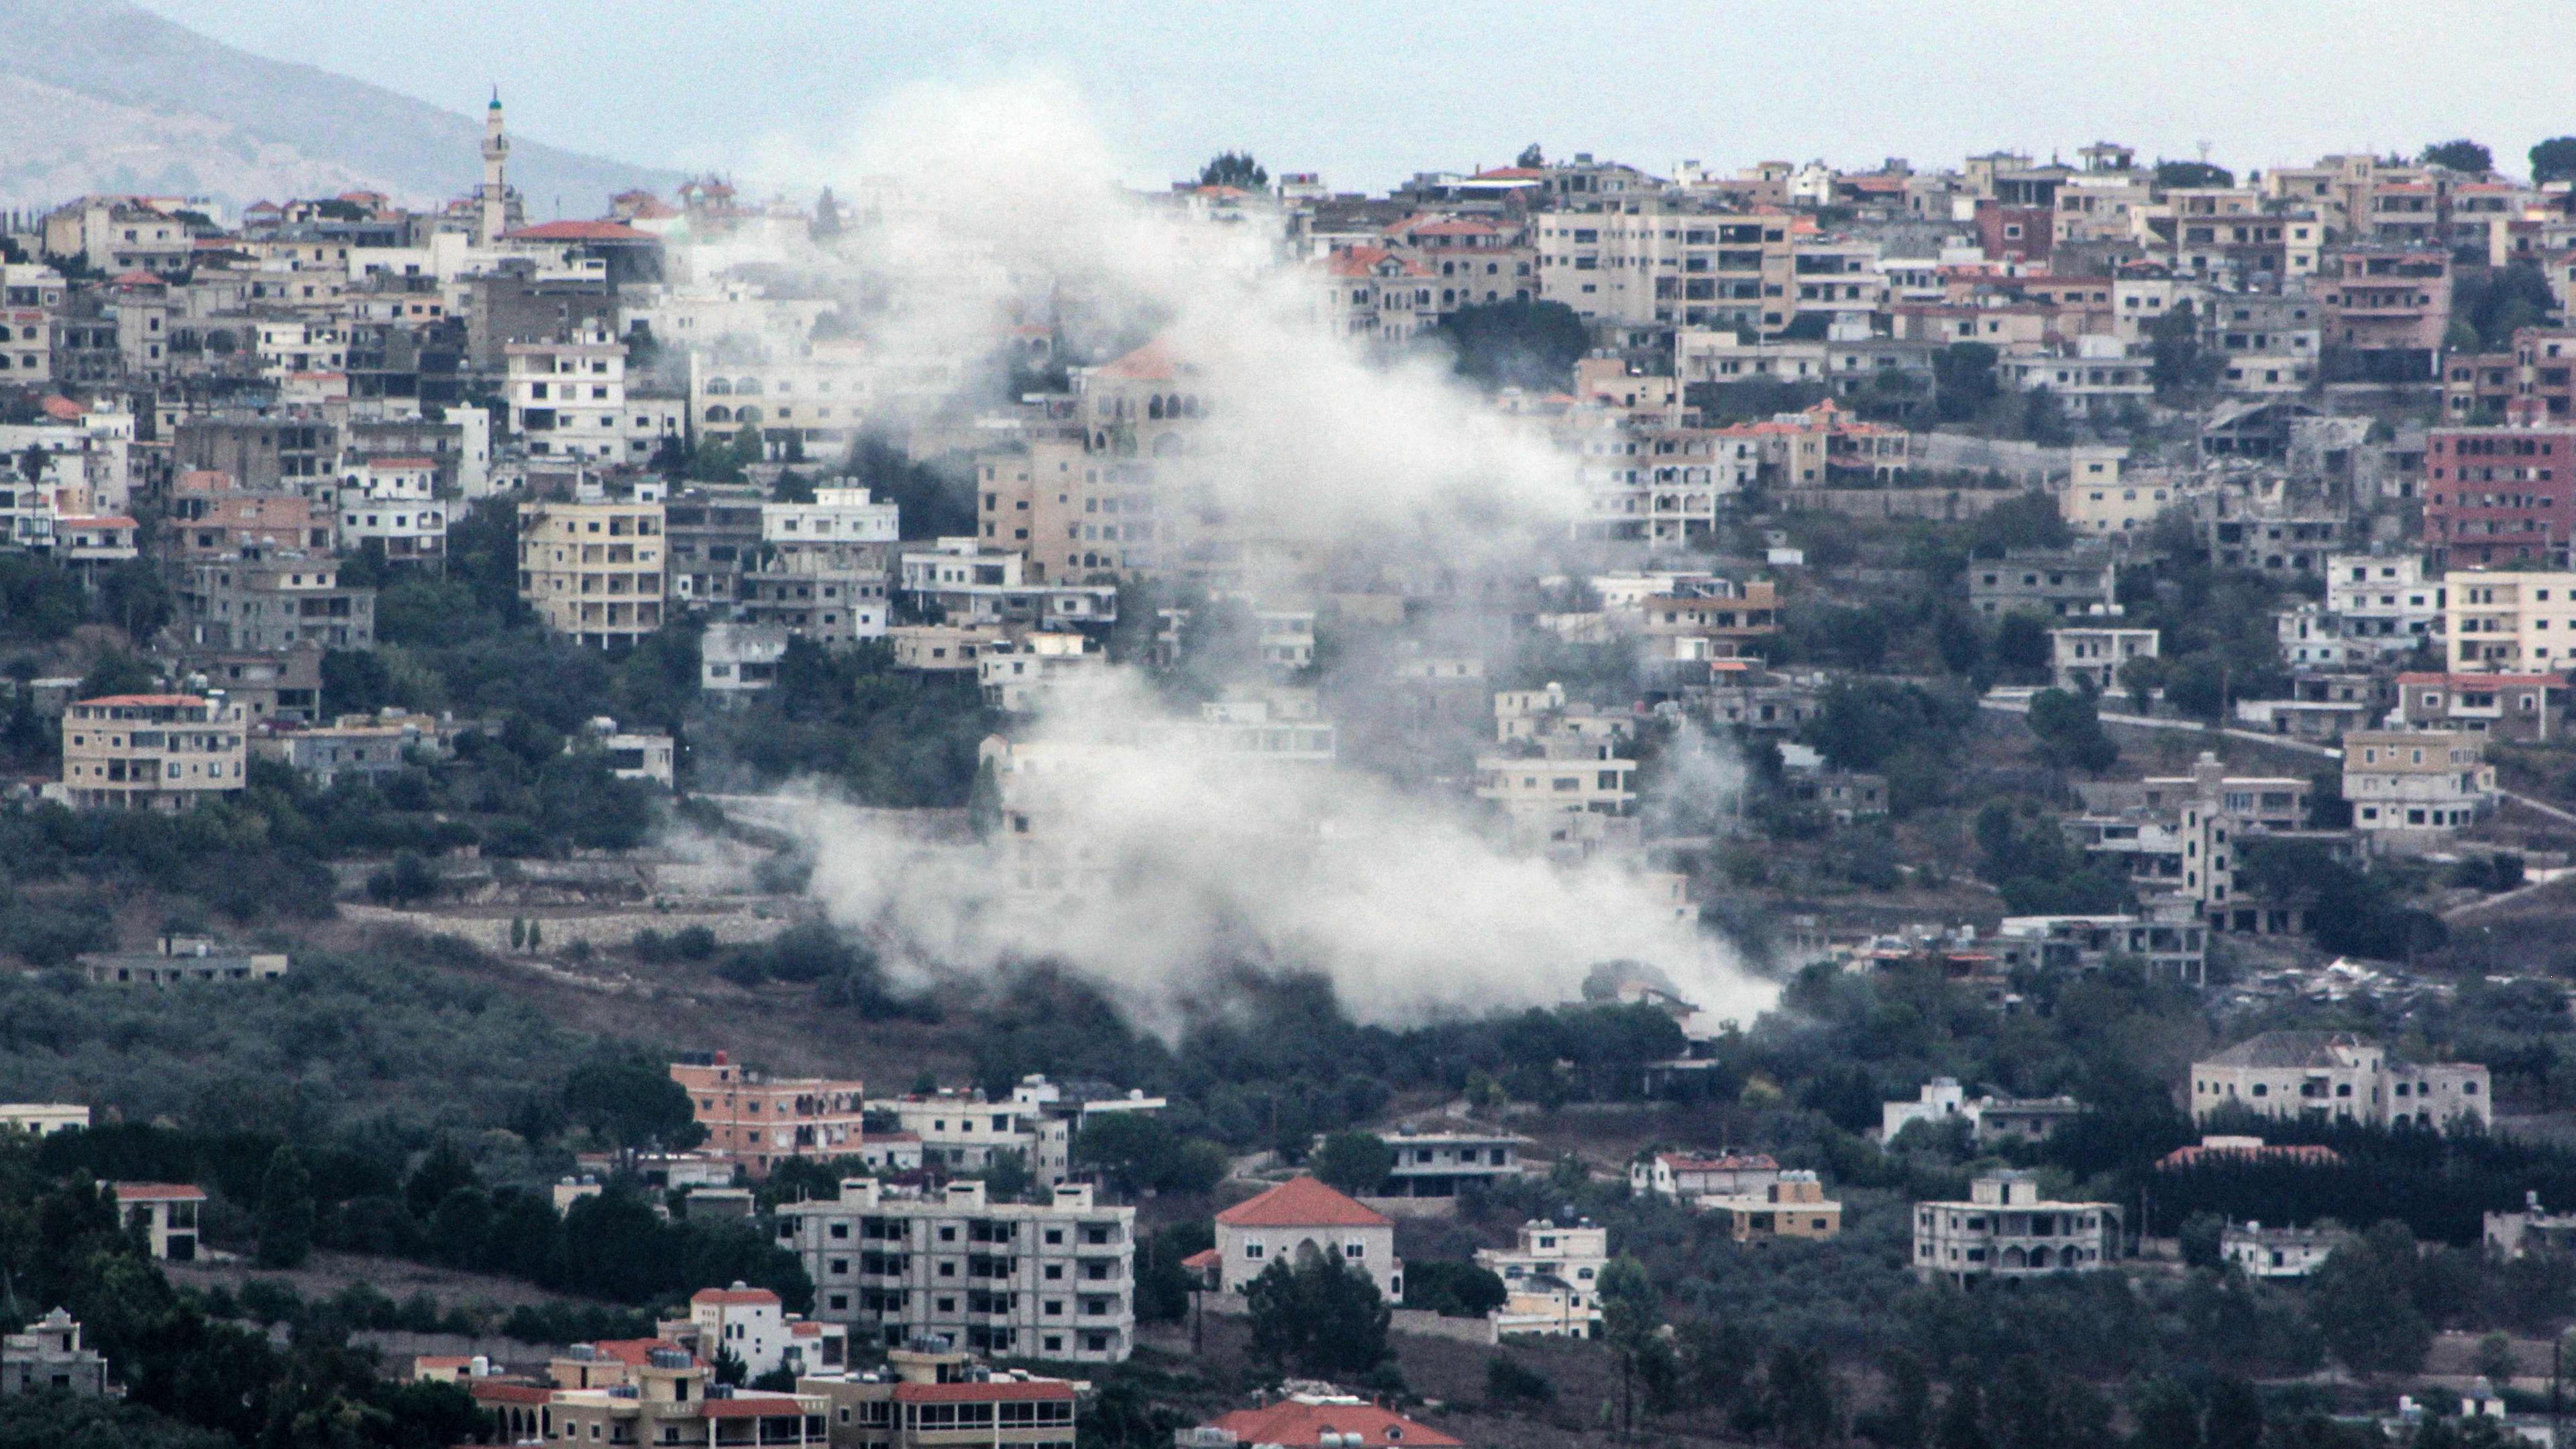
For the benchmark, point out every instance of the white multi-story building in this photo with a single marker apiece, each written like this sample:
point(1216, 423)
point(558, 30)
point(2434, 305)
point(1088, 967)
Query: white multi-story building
point(570, 400)
point(1052, 1280)
point(393, 503)
point(1020, 675)
point(1550, 1275)
point(970, 585)
point(2384, 603)
point(737, 659)
point(755, 1328)
point(2509, 622)
point(2336, 1076)
point(2006, 1230)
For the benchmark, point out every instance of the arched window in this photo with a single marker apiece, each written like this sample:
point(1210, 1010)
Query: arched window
point(719, 414)
point(4, 334)
point(747, 415)
point(1154, 409)
point(719, 387)
point(1190, 405)
point(748, 387)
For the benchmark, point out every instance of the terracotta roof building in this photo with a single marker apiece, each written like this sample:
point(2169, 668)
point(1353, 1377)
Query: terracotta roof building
point(1303, 1217)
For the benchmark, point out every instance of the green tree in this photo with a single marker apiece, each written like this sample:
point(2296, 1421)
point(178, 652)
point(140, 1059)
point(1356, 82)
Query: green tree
point(1236, 169)
point(2192, 176)
point(1631, 1312)
point(1531, 157)
point(2167, 1417)
point(2235, 1419)
point(1963, 1418)
point(2200, 1238)
point(1526, 344)
point(286, 1211)
point(630, 1100)
point(1507, 1382)
point(1801, 1397)
point(2022, 645)
point(2363, 1302)
point(2176, 361)
point(1903, 1417)
point(2070, 731)
point(2464, 156)
point(2553, 160)
point(1355, 1162)
point(445, 1169)
point(1317, 1316)
point(1963, 381)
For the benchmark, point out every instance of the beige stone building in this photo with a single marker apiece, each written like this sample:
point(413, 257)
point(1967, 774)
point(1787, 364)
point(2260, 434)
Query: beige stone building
point(2510, 623)
point(151, 751)
point(2006, 1230)
point(2322, 1075)
point(2417, 780)
point(593, 571)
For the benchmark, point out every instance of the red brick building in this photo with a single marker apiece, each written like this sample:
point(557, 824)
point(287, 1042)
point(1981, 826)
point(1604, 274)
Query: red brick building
point(2499, 495)
point(758, 1120)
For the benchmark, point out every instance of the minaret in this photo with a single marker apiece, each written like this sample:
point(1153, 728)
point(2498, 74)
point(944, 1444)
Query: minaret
point(496, 190)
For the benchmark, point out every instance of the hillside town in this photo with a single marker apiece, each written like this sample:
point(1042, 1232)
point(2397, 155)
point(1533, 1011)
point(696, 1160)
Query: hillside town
point(1574, 801)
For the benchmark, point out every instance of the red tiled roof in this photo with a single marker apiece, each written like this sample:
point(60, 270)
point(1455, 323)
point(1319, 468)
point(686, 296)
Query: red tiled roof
point(556, 231)
point(1511, 173)
point(58, 406)
point(136, 278)
point(1149, 363)
point(1301, 1202)
point(1363, 261)
point(1731, 1162)
point(998, 1391)
point(1202, 1260)
point(749, 1406)
point(153, 1191)
point(147, 1188)
point(1292, 1423)
point(402, 462)
point(2308, 1153)
point(488, 1392)
point(751, 1296)
point(634, 1351)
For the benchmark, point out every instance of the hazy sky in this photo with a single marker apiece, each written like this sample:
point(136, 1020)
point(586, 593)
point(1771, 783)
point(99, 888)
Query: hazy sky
point(1369, 92)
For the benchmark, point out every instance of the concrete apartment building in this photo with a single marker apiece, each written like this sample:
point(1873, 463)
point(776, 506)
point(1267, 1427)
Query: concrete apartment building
point(2434, 781)
point(1052, 1280)
point(754, 1326)
point(570, 400)
point(2539, 374)
point(740, 659)
point(2384, 600)
point(46, 1357)
point(1683, 1177)
point(2508, 706)
point(163, 752)
point(391, 506)
point(2320, 1076)
point(2386, 309)
point(2051, 584)
point(210, 518)
point(1647, 260)
point(1549, 1275)
point(2091, 659)
point(758, 1121)
point(262, 452)
point(2005, 1230)
point(2503, 495)
point(593, 571)
point(1299, 1218)
point(2509, 622)
point(1795, 1206)
point(274, 604)
point(822, 568)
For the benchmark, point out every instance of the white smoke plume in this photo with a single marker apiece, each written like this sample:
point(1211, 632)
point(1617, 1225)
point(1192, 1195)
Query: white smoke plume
point(1182, 865)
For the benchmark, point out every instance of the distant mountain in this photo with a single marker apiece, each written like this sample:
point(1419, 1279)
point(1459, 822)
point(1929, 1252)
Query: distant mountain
point(98, 95)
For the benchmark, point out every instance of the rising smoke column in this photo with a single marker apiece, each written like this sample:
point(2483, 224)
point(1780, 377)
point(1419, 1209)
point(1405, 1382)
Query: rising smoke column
point(1198, 864)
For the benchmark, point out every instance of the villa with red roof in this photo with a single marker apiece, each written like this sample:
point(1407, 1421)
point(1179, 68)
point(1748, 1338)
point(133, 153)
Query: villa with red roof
point(1299, 1217)
point(1312, 1421)
point(167, 1214)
